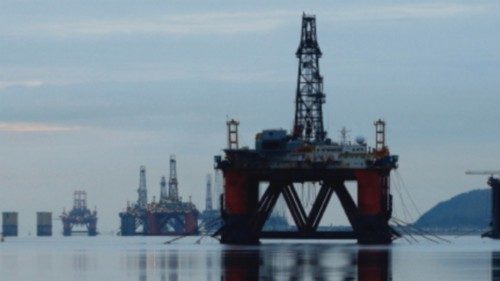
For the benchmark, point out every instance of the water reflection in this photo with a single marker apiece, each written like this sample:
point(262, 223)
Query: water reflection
point(495, 266)
point(311, 262)
point(374, 265)
point(136, 259)
point(80, 261)
point(266, 262)
point(173, 265)
point(143, 266)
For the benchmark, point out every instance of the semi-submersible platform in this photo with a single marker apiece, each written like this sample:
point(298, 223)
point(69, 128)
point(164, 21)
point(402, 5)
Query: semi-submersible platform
point(282, 160)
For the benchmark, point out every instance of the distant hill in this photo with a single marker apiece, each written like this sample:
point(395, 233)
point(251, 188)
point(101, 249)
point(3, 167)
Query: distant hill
point(469, 210)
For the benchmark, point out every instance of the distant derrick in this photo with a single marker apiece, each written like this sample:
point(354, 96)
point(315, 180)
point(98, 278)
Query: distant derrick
point(210, 217)
point(173, 192)
point(142, 199)
point(308, 122)
point(208, 200)
point(163, 189)
point(217, 188)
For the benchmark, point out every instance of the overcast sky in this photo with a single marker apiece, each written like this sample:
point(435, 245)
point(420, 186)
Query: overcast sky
point(89, 91)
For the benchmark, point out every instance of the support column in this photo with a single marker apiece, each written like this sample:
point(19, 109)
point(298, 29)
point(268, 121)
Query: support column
point(92, 231)
point(128, 224)
point(241, 195)
point(66, 228)
point(494, 232)
point(151, 227)
point(374, 207)
point(191, 223)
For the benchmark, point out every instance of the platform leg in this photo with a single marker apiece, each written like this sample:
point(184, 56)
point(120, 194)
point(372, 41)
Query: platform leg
point(374, 207)
point(241, 196)
point(128, 225)
point(66, 229)
point(191, 223)
point(92, 228)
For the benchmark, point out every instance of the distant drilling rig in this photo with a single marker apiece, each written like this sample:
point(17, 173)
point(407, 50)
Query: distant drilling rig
point(494, 183)
point(210, 217)
point(306, 155)
point(168, 216)
point(79, 216)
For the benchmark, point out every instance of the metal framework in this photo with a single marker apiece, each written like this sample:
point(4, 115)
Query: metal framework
point(308, 123)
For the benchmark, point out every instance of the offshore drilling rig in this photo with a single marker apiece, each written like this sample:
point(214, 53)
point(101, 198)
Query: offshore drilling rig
point(306, 155)
point(210, 217)
point(79, 216)
point(168, 216)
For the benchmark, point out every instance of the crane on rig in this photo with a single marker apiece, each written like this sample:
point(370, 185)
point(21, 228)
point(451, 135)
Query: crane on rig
point(494, 182)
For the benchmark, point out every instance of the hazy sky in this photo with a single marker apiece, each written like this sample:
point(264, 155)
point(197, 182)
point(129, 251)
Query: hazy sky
point(89, 91)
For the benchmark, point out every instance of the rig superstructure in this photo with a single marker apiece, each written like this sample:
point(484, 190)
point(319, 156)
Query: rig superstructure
point(80, 216)
point(306, 155)
point(169, 216)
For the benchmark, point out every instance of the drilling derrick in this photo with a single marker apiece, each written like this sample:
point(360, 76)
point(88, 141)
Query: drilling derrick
point(210, 217)
point(168, 216)
point(208, 200)
point(163, 189)
point(282, 160)
point(79, 216)
point(309, 98)
point(173, 191)
point(142, 199)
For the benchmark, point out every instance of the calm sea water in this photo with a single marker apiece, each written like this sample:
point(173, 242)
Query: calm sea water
point(148, 258)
